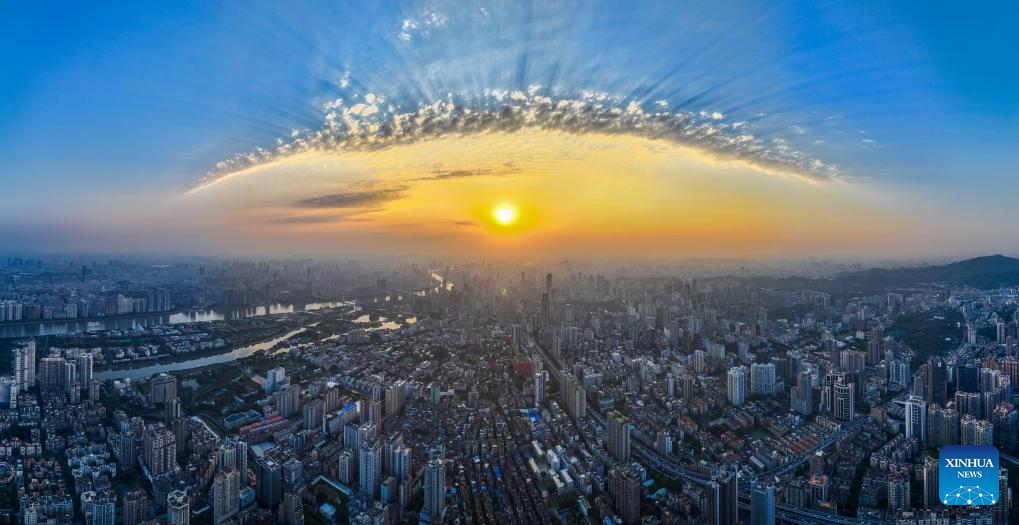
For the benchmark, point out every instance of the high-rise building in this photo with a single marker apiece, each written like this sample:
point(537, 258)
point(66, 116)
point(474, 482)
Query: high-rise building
point(802, 395)
point(164, 386)
point(347, 468)
point(178, 508)
point(845, 401)
point(369, 468)
point(171, 410)
point(287, 401)
point(736, 385)
point(104, 508)
point(974, 431)
point(291, 508)
point(999, 512)
point(898, 491)
point(573, 395)
point(539, 387)
point(762, 503)
point(618, 436)
point(435, 486)
point(24, 366)
point(394, 397)
point(226, 495)
point(916, 418)
point(159, 450)
point(762, 379)
point(84, 368)
point(136, 504)
point(274, 379)
point(1006, 428)
point(242, 460)
point(942, 426)
point(53, 373)
point(935, 375)
point(269, 481)
point(313, 412)
point(293, 473)
point(624, 486)
point(723, 499)
point(125, 451)
point(931, 499)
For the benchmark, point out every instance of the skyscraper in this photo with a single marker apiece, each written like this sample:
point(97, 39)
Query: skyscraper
point(802, 395)
point(762, 379)
point(226, 495)
point(845, 401)
point(936, 381)
point(24, 366)
point(1006, 428)
point(287, 401)
point(762, 503)
point(931, 500)
point(104, 508)
point(160, 449)
point(291, 509)
point(136, 503)
point(269, 481)
point(370, 468)
point(916, 418)
point(624, 487)
point(736, 385)
point(618, 436)
point(164, 386)
point(723, 499)
point(178, 508)
point(999, 512)
point(435, 486)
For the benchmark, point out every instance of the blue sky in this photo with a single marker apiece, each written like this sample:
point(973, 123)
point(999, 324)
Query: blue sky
point(118, 102)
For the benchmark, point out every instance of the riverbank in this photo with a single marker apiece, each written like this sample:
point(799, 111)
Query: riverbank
point(93, 319)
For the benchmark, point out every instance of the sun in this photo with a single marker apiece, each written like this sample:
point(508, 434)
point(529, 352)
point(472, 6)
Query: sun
point(504, 214)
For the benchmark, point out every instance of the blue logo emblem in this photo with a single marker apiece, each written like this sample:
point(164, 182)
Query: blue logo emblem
point(968, 475)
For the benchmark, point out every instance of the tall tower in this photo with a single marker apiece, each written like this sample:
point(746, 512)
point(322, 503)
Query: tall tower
point(435, 486)
point(762, 503)
point(226, 496)
point(178, 508)
point(624, 487)
point(370, 468)
point(618, 441)
point(723, 499)
point(136, 503)
point(845, 401)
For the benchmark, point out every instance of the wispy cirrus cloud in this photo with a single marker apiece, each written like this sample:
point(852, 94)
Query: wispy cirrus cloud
point(356, 199)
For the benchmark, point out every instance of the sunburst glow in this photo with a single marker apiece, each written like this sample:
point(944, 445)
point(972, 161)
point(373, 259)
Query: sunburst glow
point(505, 214)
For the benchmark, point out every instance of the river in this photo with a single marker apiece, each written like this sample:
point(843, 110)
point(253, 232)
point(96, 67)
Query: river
point(245, 351)
point(71, 326)
point(237, 353)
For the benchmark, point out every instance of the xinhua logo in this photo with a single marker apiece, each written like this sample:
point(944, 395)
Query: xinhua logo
point(968, 475)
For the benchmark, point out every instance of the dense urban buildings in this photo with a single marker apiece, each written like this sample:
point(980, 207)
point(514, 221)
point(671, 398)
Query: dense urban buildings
point(520, 396)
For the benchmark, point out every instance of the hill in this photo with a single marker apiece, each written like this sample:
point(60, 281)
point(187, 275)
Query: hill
point(987, 272)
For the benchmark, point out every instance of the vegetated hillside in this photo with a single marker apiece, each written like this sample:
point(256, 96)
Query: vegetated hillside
point(986, 272)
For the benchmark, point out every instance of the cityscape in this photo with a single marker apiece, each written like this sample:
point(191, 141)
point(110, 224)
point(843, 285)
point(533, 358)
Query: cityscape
point(481, 262)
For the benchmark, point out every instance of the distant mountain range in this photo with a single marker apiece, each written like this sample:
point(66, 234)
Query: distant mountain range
point(986, 272)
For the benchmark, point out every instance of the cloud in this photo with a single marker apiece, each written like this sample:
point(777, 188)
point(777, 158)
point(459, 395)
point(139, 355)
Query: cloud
point(359, 199)
point(421, 23)
point(315, 219)
point(370, 125)
point(441, 174)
